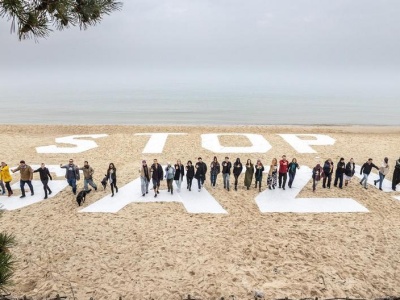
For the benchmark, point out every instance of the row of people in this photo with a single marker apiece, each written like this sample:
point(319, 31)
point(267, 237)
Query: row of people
point(345, 172)
point(278, 173)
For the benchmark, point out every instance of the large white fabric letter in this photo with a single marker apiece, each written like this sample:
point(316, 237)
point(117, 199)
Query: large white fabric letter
point(156, 141)
point(259, 143)
point(81, 145)
point(303, 146)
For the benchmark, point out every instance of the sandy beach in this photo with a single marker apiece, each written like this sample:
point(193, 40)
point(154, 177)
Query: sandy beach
point(160, 251)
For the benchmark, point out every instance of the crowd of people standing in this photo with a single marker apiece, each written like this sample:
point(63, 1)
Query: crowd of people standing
point(278, 175)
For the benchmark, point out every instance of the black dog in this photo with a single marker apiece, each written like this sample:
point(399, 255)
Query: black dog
point(82, 196)
point(104, 182)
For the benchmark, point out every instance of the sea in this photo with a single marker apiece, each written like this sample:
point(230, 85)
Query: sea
point(195, 105)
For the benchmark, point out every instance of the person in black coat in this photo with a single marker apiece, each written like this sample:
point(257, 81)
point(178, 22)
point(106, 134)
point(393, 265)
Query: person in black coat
point(396, 175)
point(157, 174)
point(179, 173)
point(365, 171)
point(112, 178)
point(237, 170)
point(189, 174)
point(349, 171)
point(226, 172)
point(340, 169)
point(201, 170)
point(328, 171)
point(44, 178)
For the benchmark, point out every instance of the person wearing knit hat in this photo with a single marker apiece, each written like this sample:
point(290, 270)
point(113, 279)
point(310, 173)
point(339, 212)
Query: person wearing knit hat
point(144, 178)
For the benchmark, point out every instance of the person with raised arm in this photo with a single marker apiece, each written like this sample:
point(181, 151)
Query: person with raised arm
point(215, 169)
point(44, 174)
point(272, 174)
point(259, 169)
point(293, 166)
point(144, 178)
point(157, 174)
point(71, 174)
point(365, 171)
point(189, 174)
point(237, 170)
point(283, 170)
point(383, 171)
point(26, 173)
point(248, 176)
point(179, 173)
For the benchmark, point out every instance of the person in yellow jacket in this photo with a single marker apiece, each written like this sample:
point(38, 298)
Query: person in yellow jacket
point(5, 177)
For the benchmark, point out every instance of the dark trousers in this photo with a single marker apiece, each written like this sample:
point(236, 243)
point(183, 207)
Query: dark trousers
point(8, 187)
point(396, 178)
point(189, 182)
point(213, 179)
point(46, 187)
point(338, 177)
point(284, 176)
point(327, 178)
point(114, 186)
point(291, 178)
point(22, 185)
point(170, 185)
point(236, 179)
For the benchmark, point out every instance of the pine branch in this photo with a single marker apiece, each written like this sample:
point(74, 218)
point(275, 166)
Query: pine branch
point(34, 18)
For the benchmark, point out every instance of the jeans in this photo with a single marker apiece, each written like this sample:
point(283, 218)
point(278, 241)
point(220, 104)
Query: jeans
point(90, 182)
point(380, 180)
point(213, 179)
point(22, 185)
point(200, 181)
point(364, 180)
point(72, 183)
point(178, 183)
point(144, 184)
point(46, 187)
point(291, 178)
point(225, 178)
point(284, 176)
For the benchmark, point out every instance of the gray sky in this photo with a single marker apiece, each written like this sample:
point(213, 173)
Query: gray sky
point(296, 43)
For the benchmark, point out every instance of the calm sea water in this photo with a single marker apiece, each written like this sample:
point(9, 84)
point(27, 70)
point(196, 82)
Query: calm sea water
point(211, 106)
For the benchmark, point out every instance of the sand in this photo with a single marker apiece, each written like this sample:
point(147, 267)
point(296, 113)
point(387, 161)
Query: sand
point(159, 251)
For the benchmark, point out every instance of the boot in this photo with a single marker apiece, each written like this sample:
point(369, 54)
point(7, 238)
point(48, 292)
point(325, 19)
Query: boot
point(235, 187)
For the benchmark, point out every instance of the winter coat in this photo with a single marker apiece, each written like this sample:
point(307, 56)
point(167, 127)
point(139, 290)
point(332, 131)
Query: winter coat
point(189, 172)
point(237, 168)
point(201, 169)
point(179, 172)
point(5, 174)
point(259, 172)
point(215, 168)
point(248, 176)
point(169, 172)
point(26, 172)
point(157, 173)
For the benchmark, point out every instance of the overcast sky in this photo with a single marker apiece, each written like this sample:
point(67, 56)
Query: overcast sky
point(345, 42)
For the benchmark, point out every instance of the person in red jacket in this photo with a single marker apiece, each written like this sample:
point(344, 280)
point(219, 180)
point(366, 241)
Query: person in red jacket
point(283, 169)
